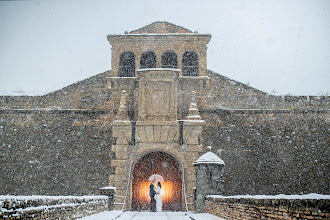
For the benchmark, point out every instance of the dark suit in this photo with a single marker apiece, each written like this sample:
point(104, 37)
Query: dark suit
point(152, 194)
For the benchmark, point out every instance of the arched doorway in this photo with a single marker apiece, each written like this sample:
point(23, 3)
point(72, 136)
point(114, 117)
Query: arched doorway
point(162, 164)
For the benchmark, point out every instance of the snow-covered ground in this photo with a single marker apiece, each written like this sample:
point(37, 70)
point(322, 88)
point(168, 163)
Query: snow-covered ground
point(150, 216)
point(107, 215)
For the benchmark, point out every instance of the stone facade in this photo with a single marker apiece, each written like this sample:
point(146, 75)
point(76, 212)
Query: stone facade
point(92, 133)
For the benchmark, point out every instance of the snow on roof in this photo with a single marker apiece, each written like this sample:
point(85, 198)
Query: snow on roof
point(209, 157)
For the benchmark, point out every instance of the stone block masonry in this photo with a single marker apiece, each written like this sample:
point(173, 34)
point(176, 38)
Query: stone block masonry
point(269, 207)
point(51, 207)
point(270, 152)
point(54, 152)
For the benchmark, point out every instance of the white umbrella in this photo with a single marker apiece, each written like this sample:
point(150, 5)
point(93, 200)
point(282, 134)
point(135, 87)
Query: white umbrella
point(156, 177)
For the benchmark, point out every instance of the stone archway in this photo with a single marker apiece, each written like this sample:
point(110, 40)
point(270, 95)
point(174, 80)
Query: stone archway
point(163, 164)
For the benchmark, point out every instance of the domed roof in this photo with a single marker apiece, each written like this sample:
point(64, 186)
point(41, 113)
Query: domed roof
point(209, 157)
point(161, 27)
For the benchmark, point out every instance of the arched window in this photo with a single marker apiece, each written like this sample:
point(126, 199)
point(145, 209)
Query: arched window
point(169, 60)
point(127, 64)
point(148, 60)
point(190, 64)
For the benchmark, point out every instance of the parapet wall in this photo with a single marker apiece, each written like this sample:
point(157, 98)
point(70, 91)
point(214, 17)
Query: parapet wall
point(51, 207)
point(268, 207)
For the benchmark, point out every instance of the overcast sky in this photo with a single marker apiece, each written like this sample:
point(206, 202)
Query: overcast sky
point(277, 46)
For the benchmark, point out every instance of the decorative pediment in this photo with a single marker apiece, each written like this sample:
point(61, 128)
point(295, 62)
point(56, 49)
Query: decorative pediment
point(161, 27)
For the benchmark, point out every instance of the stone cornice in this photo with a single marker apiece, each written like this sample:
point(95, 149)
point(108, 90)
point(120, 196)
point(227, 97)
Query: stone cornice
point(160, 37)
point(266, 111)
point(55, 111)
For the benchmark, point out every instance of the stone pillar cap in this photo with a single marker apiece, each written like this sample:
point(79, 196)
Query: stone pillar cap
point(109, 187)
point(209, 157)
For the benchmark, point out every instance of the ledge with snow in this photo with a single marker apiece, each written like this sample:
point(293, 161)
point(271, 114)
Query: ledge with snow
point(310, 206)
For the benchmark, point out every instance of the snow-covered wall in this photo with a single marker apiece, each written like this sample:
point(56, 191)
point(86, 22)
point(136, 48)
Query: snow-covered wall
point(51, 207)
point(311, 206)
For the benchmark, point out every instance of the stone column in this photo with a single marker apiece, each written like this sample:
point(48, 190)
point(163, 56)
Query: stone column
point(209, 178)
point(192, 129)
point(122, 132)
point(111, 193)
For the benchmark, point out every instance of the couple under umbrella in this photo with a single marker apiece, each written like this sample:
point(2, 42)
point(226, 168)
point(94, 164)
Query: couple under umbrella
point(155, 204)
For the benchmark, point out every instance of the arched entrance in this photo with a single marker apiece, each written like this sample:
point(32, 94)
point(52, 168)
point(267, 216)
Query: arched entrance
point(162, 164)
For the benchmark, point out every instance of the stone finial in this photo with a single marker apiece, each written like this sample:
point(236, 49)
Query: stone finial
point(122, 114)
point(193, 113)
point(209, 158)
point(209, 148)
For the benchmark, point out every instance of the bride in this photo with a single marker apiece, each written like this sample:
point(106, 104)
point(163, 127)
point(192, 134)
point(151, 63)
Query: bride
point(158, 197)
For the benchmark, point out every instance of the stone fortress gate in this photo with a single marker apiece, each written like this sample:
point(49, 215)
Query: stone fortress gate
point(160, 71)
point(155, 112)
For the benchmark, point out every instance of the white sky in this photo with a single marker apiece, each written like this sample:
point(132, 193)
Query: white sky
point(277, 46)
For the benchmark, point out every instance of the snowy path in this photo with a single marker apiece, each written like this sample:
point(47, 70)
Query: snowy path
point(150, 215)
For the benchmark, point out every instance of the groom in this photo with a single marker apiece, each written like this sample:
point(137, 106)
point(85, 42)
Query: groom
point(152, 194)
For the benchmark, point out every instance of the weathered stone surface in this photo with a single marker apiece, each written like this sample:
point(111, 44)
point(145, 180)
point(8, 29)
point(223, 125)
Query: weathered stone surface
point(209, 181)
point(288, 144)
point(239, 208)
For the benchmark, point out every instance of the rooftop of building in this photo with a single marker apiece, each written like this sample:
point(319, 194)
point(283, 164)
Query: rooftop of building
point(161, 27)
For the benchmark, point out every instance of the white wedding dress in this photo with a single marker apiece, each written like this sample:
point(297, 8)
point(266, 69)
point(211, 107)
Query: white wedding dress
point(158, 199)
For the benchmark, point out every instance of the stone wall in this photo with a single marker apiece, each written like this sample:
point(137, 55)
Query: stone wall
point(63, 152)
point(54, 152)
point(51, 207)
point(271, 152)
point(90, 93)
point(231, 94)
point(251, 208)
point(60, 143)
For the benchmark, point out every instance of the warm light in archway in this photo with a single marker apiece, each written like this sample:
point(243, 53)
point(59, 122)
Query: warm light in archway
point(167, 191)
point(166, 166)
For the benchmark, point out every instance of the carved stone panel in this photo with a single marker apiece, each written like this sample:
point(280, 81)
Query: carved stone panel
point(158, 98)
point(158, 95)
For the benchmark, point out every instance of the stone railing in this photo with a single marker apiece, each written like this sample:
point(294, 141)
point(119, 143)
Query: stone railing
point(51, 207)
point(311, 206)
